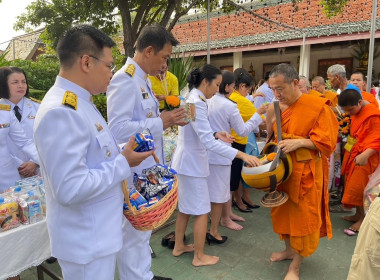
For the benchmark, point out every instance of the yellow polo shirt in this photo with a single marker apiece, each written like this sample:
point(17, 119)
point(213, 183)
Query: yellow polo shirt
point(246, 110)
point(169, 86)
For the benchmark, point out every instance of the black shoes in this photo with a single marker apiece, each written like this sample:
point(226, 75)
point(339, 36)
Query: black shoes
point(240, 209)
point(166, 238)
point(161, 278)
point(250, 206)
point(211, 239)
point(51, 260)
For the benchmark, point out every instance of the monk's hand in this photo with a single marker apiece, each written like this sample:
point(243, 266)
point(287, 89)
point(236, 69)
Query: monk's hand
point(224, 136)
point(134, 158)
point(361, 159)
point(289, 145)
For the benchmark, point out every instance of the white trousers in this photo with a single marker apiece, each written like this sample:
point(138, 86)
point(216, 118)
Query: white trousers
point(100, 269)
point(134, 259)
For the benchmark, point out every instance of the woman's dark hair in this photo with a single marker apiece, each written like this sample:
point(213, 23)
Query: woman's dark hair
point(349, 97)
point(242, 77)
point(227, 79)
point(4, 74)
point(196, 76)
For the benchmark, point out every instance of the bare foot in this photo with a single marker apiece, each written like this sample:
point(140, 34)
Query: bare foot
point(356, 226)
point(236, 218)
point(185, 249)
point(280, 256)
point(352, 219)
point(228, 223)
point(292, 275)
point(205, 260)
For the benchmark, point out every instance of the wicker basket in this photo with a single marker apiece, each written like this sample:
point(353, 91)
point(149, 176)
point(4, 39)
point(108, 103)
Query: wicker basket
point(154, 216)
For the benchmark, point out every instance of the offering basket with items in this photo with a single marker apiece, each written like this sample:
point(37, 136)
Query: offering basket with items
point(153, 198)
point(276, 168)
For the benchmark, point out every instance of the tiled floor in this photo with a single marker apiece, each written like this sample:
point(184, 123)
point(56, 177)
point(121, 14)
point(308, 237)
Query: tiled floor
point(246, 254)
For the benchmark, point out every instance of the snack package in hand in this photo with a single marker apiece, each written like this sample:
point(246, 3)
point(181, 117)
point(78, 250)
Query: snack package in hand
point(143, 142)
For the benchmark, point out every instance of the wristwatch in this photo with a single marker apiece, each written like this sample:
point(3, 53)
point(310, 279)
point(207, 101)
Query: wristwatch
point(214, 134)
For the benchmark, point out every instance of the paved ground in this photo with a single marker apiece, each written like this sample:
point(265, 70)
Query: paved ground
point(246, 254)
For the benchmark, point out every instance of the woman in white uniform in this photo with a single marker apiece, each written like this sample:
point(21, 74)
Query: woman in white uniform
point(14, 92)
point(224, 115)
point(191, 162)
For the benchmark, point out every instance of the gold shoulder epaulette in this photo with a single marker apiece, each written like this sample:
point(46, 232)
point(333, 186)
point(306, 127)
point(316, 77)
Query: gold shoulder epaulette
point(35, 100)
point(201, 97)
point(5, 107)
point(130, 70)
point(70, 99)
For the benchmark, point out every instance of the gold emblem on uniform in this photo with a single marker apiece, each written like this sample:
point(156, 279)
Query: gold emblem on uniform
point(149, 115)
point(99, 127)
point(108, 154)
point(35, 100)
point(31, 117)
point(130, 70)
point(70, 99)
point(201, 97)
point(5, 107)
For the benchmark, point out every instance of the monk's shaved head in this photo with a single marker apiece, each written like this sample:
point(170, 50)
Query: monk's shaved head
point(319, 79)
point(318, 84)
point(289, 72)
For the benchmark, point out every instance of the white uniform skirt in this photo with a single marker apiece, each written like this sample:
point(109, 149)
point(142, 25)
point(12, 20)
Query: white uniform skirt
point(193, 196)
point(219, 183)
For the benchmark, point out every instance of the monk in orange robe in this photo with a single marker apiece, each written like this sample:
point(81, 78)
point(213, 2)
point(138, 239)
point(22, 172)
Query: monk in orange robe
point(361, 157)
point(309, 130)
point(319, 86)
point(357, 79)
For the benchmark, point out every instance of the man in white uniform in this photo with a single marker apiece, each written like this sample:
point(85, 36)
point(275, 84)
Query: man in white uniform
point(131, 108)
point(80, 160)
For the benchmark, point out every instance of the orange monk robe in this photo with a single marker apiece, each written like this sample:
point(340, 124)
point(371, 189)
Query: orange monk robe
point(365, 128)
point(370, 98)
point(332, 97)
point(304, 218)
point(315, 93)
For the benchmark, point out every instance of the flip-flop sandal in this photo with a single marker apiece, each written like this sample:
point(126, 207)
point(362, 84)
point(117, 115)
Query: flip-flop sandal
point(338, 209)
point(350, 232)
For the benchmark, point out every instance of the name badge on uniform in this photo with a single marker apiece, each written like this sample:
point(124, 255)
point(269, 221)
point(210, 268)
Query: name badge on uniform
point(351, 141)
point(31, 117)
point(145, 95)
point(99, 127)
point(4, 125)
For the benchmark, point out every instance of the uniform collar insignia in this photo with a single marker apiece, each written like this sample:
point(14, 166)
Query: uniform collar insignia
point(130, 70)
point(70, 99)
point(5, 107)
point(35, 100)
point(202, 98)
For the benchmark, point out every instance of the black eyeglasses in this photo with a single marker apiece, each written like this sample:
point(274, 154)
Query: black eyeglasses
point(111, 66)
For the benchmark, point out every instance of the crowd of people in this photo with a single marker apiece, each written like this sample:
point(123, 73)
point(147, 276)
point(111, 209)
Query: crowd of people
point(68, 142)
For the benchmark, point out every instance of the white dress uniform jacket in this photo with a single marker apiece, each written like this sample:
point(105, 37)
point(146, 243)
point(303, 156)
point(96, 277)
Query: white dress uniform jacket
point(28, 111)
point(195, 139)
point(224, 115)
point(132, 108)
point(82, 170)
point(11, 128)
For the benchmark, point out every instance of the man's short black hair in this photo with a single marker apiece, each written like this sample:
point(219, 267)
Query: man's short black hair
point(4, 74)
point(349, 97)
point(156, 36)
point(80, 40)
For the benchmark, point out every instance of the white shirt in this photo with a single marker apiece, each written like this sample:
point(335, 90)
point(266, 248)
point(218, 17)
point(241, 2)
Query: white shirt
point(224, 115)
point(131, 108)
point(82, 170)
point(195, 140)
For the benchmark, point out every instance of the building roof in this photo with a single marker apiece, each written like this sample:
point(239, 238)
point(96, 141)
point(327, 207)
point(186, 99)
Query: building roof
point(24, 46)
point(242, 31)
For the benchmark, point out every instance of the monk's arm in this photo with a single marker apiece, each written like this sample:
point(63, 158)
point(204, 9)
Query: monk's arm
point(362, 158)
point(290, 145)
